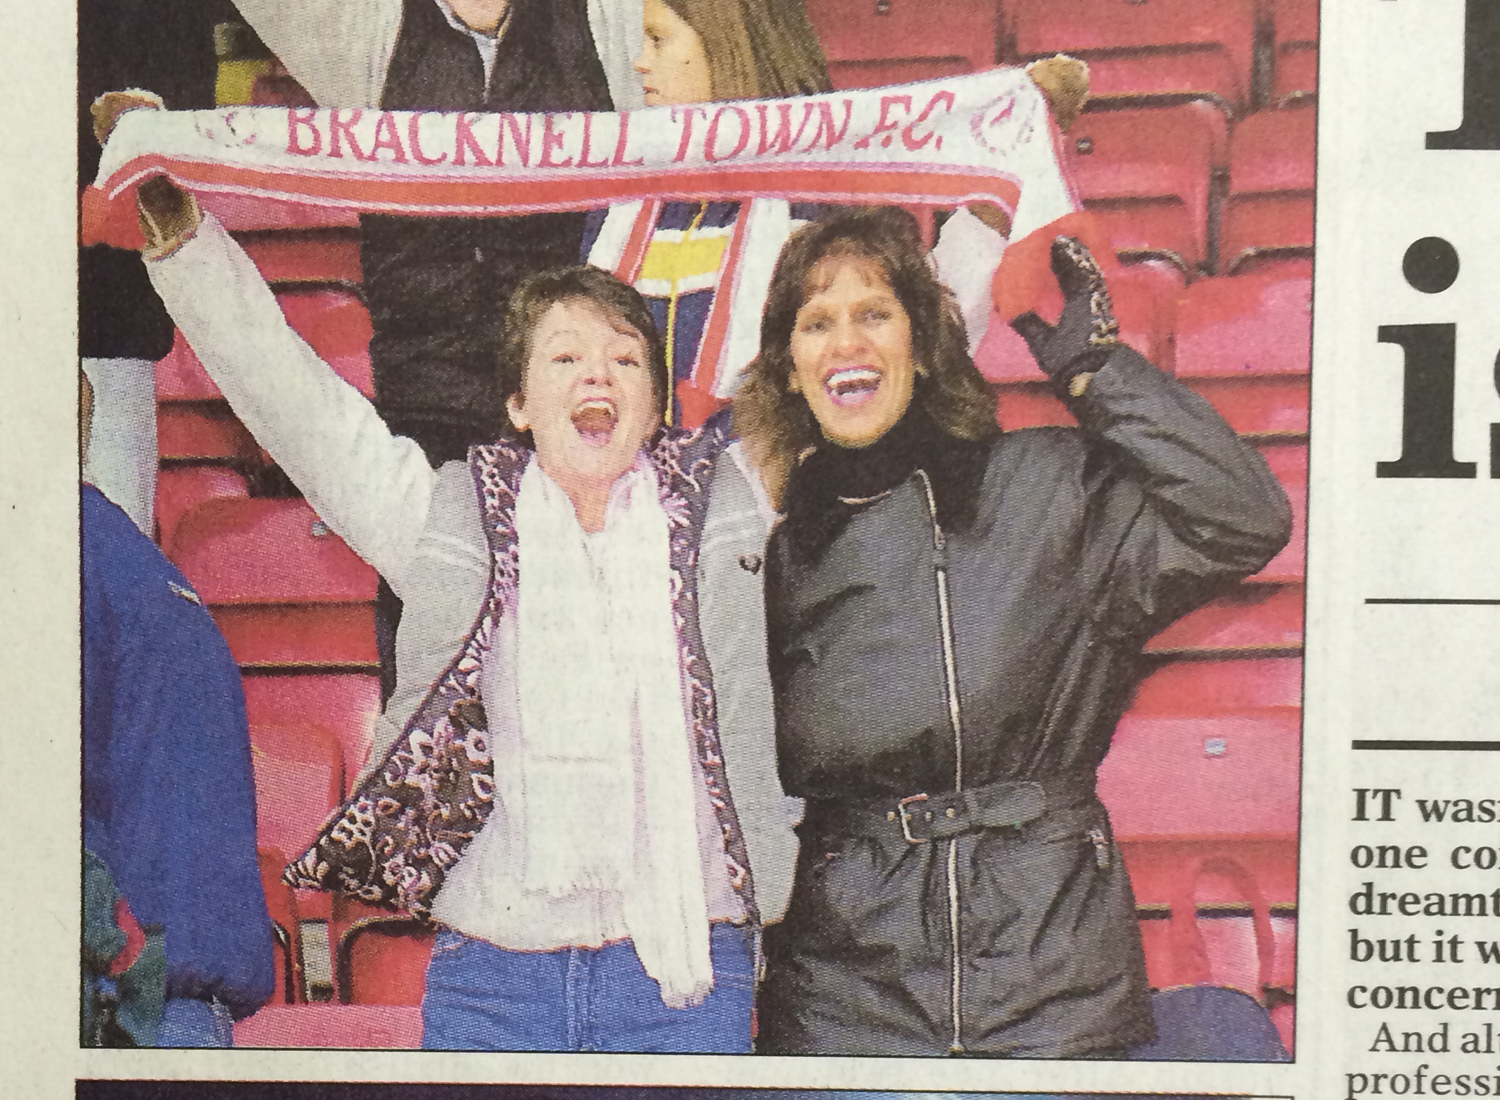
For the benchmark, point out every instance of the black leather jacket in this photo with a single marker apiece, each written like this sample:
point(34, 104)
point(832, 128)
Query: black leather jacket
point(993, 660)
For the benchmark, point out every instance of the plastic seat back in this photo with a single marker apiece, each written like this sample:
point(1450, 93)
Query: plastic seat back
point(268, 550)
point(383, 960)
point(1244, 325)
point(1288, 462)
point(179, 489)
point(305, 255)
point(1102, 31)
point(1228, 686)
point(336, 1027)
point(299, 779)
point(1146, 174)
point(346, 703)
point(1177, 776)
point(874, 42)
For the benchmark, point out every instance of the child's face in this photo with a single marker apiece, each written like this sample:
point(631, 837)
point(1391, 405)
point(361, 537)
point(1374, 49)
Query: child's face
point(673, 63)
point(586, 396)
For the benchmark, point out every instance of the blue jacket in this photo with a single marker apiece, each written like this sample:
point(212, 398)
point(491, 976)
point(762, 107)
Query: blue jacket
point(168, 789)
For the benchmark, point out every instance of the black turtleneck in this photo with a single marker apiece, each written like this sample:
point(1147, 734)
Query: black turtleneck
point(834, 483)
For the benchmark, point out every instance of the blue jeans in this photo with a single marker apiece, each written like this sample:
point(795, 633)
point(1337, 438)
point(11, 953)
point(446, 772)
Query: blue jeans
point(188, 1022)
point(481, 997)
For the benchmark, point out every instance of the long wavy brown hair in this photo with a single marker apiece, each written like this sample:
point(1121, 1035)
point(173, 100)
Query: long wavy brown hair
point(757, 49)
point(775, 422)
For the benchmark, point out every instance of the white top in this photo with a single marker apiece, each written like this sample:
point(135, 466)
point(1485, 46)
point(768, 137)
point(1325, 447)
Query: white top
point(340, 50)
point(375, 489)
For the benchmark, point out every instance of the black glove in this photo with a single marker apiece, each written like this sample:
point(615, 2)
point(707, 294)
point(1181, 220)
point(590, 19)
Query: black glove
point(1087, 330)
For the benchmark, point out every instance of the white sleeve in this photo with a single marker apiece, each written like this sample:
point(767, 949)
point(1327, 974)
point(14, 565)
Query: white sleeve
point(339, 50)
point(966, 256)
point(372, 487)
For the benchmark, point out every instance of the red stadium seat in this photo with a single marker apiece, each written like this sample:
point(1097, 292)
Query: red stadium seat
point(1145, 174)
point(180, 488)
point(1288, 461)
point(1283, 1015)
point(874, 42)
point(1295, 33)
point(1175, 776)
point(299, 779)
point(1031, 405)
point(305, 256)
point(265, 550)
point(300, 635)
point(1271, 179)
point(1157, 865)
point(202, 431)
point(1238, 686)
point(1201, 47)
point(333, 1027)
point(383, 960)
point(1244, 325)
point(1258, 405)
point(333, 321)
point(1254, 618)
point(281, 903)
point(346, 703)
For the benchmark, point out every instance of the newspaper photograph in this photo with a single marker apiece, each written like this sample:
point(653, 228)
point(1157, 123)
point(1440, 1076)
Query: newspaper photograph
point(926, 546)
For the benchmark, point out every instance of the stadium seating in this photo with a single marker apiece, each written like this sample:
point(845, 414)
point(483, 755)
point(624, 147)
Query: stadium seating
point(874, 42)
point(1135, 47)
point(1145, 173)
point(1271, 176)
point(332, 320)
point(181, 488)
point(299, 779)
point(1295, 37)
point(203, 432)
point(332, 1027)
point(1244, 325)
point(1174, 776)
point(1220, 686)
point(281, 903)
point(344, 702)
point(1253, 619)
point(305, 255)
point(1288, 461)
point(383, 960)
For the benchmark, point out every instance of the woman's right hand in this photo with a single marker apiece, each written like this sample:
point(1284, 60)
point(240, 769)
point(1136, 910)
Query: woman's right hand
point(169, 216)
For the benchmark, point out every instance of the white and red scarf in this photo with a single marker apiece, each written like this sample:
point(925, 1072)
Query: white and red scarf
point(986, 137)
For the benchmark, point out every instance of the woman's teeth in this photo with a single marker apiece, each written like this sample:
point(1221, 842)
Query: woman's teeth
point(595, 421)
point(852, 385)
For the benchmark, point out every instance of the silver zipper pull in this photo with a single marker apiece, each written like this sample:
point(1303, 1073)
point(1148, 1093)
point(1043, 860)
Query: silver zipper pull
point(1101, 847)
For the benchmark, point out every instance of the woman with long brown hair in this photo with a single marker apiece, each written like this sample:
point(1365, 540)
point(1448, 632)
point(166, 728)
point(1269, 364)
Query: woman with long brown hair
point(954, 618)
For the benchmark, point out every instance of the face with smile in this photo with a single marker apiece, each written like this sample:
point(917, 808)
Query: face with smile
point(673, 63)
point(851, 351)
point(587, 398)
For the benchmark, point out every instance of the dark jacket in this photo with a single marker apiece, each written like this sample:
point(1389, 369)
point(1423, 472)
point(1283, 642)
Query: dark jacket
point(1080, 544)
point(437, 288)
point(168, 49)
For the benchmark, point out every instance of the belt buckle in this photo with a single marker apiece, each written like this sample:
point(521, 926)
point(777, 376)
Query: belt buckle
point(905, 815)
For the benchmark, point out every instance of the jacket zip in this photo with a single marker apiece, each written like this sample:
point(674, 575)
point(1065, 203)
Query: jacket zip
point(955, 718)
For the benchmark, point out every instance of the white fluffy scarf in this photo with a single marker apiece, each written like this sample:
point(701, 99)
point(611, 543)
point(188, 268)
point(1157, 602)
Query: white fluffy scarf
point(606, 772)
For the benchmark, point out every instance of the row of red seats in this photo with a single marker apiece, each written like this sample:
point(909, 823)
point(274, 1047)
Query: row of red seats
point(1240, 52)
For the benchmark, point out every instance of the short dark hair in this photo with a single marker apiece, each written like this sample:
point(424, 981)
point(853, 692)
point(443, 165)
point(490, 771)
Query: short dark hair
point(776, 421)
point(595, 286)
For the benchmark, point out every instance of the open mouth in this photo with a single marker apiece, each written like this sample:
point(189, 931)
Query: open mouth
point(851, 386)
point(595, 421)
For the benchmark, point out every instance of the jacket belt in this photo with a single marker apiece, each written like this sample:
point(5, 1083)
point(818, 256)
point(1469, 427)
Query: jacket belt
point(922, 817)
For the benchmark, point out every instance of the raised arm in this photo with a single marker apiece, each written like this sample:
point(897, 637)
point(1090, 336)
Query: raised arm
point(372, 487)
point(1188, 507)
point(339, 50)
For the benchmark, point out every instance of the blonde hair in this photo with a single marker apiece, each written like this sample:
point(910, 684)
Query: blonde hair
point(756, 48)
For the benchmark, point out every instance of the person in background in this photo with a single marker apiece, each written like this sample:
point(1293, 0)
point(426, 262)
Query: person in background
point(436, 288)
point(168, 788)
point(122, 326)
